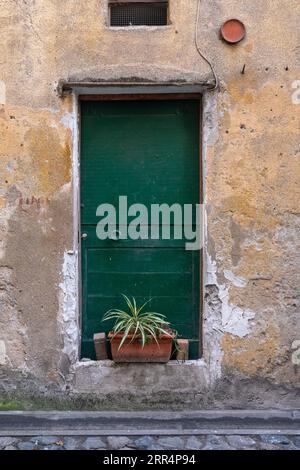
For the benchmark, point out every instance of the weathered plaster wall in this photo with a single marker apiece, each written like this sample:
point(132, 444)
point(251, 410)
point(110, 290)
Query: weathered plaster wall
point(252, 170)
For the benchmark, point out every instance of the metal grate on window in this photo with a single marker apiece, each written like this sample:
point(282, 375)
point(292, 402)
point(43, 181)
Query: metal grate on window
point(139, 14)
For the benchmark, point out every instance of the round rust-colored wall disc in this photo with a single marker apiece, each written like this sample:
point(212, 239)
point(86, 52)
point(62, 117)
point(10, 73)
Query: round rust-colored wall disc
point(233, 31)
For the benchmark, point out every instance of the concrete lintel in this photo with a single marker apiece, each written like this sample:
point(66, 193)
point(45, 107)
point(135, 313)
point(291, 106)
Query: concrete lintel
point(121, 88)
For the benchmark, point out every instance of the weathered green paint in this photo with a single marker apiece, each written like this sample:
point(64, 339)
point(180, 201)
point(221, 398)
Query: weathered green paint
point(148, 151)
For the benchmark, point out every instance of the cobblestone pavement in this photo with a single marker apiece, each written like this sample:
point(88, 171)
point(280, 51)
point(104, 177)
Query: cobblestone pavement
point(202, 442)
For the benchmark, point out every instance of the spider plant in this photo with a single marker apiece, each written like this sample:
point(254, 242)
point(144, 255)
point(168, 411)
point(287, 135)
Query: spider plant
point(135, 321)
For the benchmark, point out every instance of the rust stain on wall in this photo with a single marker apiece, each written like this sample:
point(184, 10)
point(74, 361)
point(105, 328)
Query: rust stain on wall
point(50, 160)
point(252, 356)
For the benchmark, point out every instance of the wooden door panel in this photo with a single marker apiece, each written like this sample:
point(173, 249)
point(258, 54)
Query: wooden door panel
point(149, 152)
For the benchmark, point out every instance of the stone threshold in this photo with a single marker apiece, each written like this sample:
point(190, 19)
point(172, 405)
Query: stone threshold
point(107, 377)
point(122, 423)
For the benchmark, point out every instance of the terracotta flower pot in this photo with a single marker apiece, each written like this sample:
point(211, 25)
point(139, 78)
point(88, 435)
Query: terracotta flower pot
point(132, 351)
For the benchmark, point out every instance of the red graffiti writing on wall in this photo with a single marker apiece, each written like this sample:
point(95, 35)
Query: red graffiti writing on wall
point(34, 201)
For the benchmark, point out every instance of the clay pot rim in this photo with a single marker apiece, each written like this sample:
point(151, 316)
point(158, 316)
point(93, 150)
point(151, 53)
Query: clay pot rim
point(112, 335)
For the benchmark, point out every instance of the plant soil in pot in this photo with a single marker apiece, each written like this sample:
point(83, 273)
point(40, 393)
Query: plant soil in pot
point(132, 350)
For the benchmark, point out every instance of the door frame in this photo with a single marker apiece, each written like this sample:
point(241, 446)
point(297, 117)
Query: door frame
point(126, 94)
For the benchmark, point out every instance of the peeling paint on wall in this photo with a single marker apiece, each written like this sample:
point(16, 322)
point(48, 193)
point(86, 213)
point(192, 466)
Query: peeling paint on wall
point(2, 92)
point(235, 320)
point(2, 353)
point(236, 280)
point(69, 306)
point(68, 120)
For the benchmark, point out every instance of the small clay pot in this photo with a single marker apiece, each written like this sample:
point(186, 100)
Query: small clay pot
point(133, 351)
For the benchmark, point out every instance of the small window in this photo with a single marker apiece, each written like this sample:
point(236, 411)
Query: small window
point(138, 12)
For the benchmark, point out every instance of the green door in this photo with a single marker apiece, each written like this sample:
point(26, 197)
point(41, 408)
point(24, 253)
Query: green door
point(149, 152)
